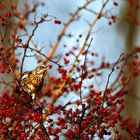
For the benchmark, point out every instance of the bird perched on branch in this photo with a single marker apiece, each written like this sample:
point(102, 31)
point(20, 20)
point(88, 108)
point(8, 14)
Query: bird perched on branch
point(32, 81)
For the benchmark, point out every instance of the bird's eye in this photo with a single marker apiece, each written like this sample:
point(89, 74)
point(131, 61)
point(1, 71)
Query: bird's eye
point(41, 67)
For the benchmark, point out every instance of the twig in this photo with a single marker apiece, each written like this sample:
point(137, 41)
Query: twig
point(85, 65)
point(28, 41)
point(10, 67)
point(44, 129)
point(81, 119)
point(65, 28)
point(108, 79)
point(39, 52)
point(58, 94)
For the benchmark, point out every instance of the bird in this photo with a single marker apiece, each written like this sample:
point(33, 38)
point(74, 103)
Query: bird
point(31, 82)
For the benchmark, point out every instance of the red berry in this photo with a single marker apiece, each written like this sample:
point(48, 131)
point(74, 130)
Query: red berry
point(8, 14)
point(24, 46)
point(115, 4)
point(57, 22)
point(49, 66)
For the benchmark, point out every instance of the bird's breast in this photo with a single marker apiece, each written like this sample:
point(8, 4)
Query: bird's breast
point(32, 84)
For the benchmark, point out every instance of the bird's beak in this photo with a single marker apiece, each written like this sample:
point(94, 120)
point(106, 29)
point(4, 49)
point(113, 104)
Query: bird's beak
point(46, 68)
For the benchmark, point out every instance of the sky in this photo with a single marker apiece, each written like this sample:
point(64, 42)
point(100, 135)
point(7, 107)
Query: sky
point(105, 37)
point(108, 41)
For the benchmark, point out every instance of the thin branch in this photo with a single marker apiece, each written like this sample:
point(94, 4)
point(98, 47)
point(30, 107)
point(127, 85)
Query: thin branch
point(44, 129)
point(65, 28)
point(28, 41)
point(10, 67)
point(58, 94)
point(39, 52)
point(108, 79)
point(85, 65)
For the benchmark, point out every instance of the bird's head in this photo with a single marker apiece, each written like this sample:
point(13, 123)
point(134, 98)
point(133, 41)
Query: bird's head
point(42, 69)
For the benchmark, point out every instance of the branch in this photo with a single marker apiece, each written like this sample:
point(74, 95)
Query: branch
point(81, 50)
point(85, 65)
point(39, 52)
point(108, 79)
point(28, 41)
point(44, 129)
point(65, 28)
point(10, 67)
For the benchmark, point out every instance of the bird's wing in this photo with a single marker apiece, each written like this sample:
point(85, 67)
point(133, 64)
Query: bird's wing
point(24, 75)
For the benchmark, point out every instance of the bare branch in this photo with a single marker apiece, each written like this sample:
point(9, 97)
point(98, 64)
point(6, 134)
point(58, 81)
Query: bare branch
point(58, 94)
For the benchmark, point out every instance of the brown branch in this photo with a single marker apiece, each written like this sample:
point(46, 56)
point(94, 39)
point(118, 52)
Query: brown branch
point(5, 33)
point(65, 28)
point(108, 79)
point(58, 94)
point(10, 67)
point(44, 129)
point(39, 52)
point(28, 41)
point(85, 65)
